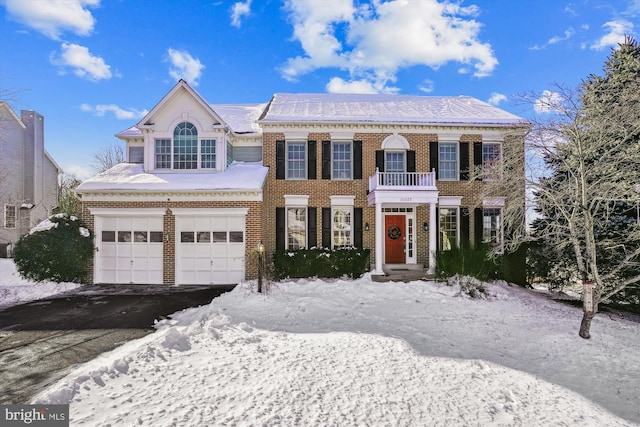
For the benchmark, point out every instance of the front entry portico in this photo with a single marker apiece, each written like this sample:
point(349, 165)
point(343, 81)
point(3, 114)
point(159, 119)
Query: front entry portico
point(396, 201)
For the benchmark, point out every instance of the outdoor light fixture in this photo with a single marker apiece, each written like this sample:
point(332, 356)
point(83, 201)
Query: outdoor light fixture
point(260, 265)
point(366, 226)
point(425, 226)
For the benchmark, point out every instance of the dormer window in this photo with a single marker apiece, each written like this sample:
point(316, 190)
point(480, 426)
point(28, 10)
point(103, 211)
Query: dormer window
point(185, 150)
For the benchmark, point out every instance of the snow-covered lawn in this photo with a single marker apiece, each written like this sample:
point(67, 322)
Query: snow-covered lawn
point(14, 289)
point(314, 352)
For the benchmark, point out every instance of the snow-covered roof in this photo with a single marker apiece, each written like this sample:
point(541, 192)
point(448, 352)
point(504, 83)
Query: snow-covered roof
point(375, 108)
point(130, 177)
point(132, 131)
point(241, 118)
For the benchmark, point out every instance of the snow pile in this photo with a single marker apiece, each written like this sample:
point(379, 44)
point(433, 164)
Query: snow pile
point(314, 352)
point(15, 290)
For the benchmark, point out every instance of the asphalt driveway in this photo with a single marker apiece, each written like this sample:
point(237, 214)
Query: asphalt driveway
point(44, 340)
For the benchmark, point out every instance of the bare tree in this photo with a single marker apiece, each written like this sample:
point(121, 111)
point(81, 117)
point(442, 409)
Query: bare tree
point(109, 156)
point(583, 166)
point(68, 202)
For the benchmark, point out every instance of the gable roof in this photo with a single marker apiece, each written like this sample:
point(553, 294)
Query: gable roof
point(376, 108)
point(241, 118)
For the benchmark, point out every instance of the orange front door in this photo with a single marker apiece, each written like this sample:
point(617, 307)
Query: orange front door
point(394, 239)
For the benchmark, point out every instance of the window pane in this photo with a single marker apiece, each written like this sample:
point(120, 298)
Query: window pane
point(341, 227)
point(296, 228)
point(236, 236)
point(394, 168)
point(341, 160)
point(124, 236)
point(108, 236)
point(204, 237)
point(208, 154)
point(10, 216)
point(136, 154)
point(140, 236)
point(187, 237)
point(490, 160)
point(185, 146)
point(219, 236)
point(448, 228)
point(491, 226)
point(448, 161)
point(155, 236)
point(296, 160)
point(163, 154)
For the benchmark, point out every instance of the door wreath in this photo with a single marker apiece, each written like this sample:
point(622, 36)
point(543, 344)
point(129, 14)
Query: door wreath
point(394, 232)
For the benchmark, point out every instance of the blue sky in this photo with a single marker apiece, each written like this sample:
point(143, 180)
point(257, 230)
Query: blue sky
point(94, 67)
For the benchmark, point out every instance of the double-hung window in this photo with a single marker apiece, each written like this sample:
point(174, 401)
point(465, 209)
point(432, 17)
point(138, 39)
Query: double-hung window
point(342, 226)
point(491, 161)
point(394, 167)
point(492, 227)
point(296, 228)
point(448, 228)
point(10, 216)
point(341, 160)
point(448, 161)
point(296, 160)
point(208, 154)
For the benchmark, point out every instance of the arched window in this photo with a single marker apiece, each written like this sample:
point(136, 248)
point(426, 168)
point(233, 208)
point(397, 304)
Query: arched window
point(185, 146)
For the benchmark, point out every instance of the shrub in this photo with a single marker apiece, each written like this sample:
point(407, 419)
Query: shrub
point(58, 249)
point(321, 262)
point(466, 262)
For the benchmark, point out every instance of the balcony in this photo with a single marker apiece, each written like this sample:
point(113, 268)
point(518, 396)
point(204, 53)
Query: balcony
point(413, 188)
point(402, 181)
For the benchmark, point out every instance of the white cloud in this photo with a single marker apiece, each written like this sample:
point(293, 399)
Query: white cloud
point(101, 110)
point(567, 35)
point(82, 62)
point(496, 98)
point(53, 17)
point(240, 10)
point(80, 172)
point(426, 86)
point(548, 102)
point(184, 66)
point(377, 39)
point(338, 85)
point(616, 32)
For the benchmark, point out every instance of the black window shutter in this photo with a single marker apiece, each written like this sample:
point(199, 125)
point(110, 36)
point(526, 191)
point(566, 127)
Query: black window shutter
point(477, 226)
point(326, 159)
point(279, 159)
point(312, 228)
point(311, 159)
point(280, 229)
point(357, 159)
point(464, 161)
point(326, 227)
point(357, 227)
point(477, 156)
point(464, 228)
point(433, 157)
point(380, 160)
point(411, 161)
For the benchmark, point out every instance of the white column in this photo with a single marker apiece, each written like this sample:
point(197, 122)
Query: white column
point(379, 240)
point(433, 230)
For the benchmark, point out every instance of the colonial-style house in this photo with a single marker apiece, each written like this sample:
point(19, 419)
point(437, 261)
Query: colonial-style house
point(204, 184)
point(28, 175)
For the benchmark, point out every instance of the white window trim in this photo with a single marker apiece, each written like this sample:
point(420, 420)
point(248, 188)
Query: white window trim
point(457, 171)
point(306, 225)
point(350, 142)
point(450, 201)
point(305, 160)
point(501, 231)
point(493, 202)
point(343, 200)
point(487, 143)
point(457, 209)
point(296, 200)
point(351, 225)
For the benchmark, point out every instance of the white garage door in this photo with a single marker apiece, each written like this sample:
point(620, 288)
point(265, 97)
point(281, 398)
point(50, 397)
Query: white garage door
point(129, 250)
point(210, 246)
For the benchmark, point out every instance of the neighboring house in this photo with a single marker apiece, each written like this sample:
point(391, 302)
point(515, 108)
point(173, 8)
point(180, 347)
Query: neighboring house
point(205, 184)
point(28, 175)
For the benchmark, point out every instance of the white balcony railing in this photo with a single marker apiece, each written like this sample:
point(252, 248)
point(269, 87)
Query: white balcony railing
point(402, 181)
